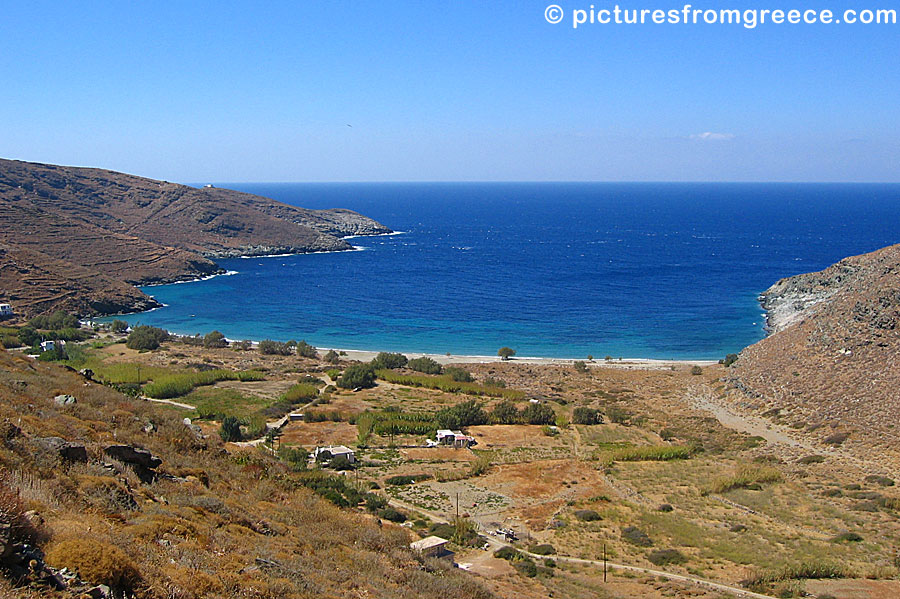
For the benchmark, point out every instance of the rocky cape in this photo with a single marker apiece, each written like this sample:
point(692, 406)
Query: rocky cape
point(79, 239)
point(831, 359)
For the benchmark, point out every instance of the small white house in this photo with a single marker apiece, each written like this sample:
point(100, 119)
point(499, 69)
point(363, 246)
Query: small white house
point(431, 547)
point(336, 451)
point(454, 438)
point(5, 310)
point(51, 345)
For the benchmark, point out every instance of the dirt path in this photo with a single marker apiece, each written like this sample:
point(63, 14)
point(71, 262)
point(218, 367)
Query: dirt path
point(703, 399)
point(170, 403)
point(496, 543)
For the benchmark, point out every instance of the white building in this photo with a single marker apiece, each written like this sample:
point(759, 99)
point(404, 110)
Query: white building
point(336, 451)
point(51, 345)
point(454, 438)
point(431, 547)
point(5, 310)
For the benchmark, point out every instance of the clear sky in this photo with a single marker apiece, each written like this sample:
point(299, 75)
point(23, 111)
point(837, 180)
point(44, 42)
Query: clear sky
point(336, 90)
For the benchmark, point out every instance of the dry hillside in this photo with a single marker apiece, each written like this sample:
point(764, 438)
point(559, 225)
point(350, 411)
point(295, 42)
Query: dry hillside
point(833, 356)
point(100, 223)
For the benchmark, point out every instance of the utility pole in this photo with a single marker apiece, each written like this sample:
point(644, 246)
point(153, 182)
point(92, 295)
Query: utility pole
point(604, 562)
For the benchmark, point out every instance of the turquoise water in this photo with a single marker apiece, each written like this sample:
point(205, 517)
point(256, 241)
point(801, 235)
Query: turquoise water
point(550, 269)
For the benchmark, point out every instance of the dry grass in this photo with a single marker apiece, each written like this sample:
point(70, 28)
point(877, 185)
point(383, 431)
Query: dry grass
point(95, 562)
point(746, 476)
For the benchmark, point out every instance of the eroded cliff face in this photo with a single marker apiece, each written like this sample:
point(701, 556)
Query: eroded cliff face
point(109, 226)
point(834, 353)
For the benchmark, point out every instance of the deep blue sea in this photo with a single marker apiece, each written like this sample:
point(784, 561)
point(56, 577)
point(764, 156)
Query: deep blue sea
point(550, 269)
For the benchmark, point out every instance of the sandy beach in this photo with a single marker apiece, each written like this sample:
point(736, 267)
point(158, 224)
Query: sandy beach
point(624, 363)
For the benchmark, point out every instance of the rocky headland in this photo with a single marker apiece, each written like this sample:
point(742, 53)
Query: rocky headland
point(79, 238)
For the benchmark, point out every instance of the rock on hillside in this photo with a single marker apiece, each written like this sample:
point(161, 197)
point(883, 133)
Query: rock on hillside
point(103, 224)
point(834, 353)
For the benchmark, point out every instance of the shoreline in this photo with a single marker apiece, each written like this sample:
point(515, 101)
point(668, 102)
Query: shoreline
point(624, 363)
point(363, 355)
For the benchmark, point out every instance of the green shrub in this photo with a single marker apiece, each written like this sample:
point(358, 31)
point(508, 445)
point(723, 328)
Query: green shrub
point(636, 536)
point(389, 361)
point(230, 431)
point(846, 537)
point(587, 416)
point(836, 438)
point(506, 353)
point(544, 549)
point(618, 415)
point(729, 360)
point(10, 341)
point(587, 515)
point(215, 339)
point(506, 412)
point(580, 366)
point(666, 557)
point(526, 567)
point(651, 453)
point(300, 393)
point(332, 357)
point(340, 463)
point(145, 337)
point(508, 553)
point(884, 481)
point(458, 374)
point(538, 413)
point(812, 459)
point(405, 479)
point(490, 381)
point(54, 322)
point(357, 376)
point(424, 364)
point(391, 514)
point(118, 326)
point(467, 413)
point(275, 348)
point(305, 350)
point(696, 370)
point(177, 385)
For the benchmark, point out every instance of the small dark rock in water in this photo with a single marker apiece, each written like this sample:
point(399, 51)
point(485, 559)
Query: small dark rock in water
point(67, 451)
point(64, 400)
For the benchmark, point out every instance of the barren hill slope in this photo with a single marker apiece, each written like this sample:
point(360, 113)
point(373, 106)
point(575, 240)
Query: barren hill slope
point(138, 230)
point(834, 355)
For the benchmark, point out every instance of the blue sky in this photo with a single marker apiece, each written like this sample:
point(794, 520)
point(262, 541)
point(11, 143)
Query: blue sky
point(461, 90)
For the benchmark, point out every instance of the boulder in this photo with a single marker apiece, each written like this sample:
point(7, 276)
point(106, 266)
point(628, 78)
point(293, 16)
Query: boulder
point(64, 400)
point(66, 450)
point(141, 461)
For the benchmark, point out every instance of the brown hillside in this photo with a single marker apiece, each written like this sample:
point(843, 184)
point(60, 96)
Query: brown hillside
point(39, 283)
point(833, 356)
point(136, 230)
point(204, 523)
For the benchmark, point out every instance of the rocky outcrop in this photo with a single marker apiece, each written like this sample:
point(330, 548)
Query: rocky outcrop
point(141, 461)
point(66, 451)
point(832, 355)
point(88, 229)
